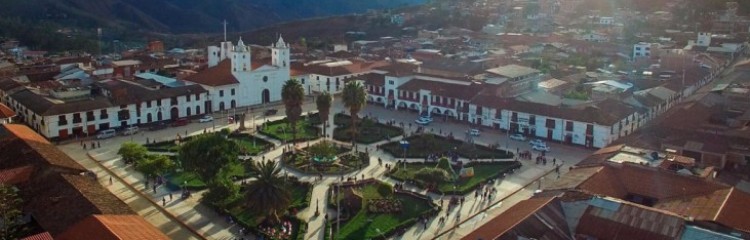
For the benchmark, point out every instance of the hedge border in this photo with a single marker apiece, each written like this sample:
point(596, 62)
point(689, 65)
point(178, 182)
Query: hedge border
point(515, 166)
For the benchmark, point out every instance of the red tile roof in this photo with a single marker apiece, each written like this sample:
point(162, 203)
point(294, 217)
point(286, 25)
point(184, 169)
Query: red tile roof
point(39, 236)
point(15, 176)
point(113, 227)
point(734, 211)
point(501, 224)
point(374, 79)
point(31, 148)
point(6, 112)
point(629, 221)
point(607, 112)
point(646, 181)
point(218, 75)
point(441, 89)
point(356, 67)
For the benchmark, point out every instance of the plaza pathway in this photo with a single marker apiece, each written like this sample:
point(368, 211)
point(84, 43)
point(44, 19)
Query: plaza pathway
point(187, 219)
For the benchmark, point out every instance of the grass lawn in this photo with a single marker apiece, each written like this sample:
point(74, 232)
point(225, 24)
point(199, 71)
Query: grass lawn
point(281, 131)
point(365, 225)
point(482, 173)
point(368, 131)
point(176, 180)
point(422, 145)
point(252, 145)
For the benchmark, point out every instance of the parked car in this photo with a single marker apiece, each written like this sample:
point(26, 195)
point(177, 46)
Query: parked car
point(108, 133)
point(541, 148)
point(537, 142)
point(206, 118)
point(473, 132)
point(179, 122)
point(518, 137)
point(130, 130)
point(422, 121)
point(158, 126)
point(270, 112)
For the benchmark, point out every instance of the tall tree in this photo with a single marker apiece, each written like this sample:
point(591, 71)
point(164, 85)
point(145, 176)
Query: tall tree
point(155, 165)
point(132, 152)
point(324, 108)
point(269, 194)
point(355, 98)
point(293, 94)
point(10, 212)
point(208, 154)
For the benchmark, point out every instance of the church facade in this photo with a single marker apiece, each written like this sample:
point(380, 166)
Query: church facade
point(234, 79)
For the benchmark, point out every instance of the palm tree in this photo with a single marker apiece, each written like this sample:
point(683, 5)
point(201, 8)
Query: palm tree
point(324, 108)
point(355, 98)
point(293, 94)
point(269, 194)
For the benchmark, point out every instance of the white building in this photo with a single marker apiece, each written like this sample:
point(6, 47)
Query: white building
point(66, 112)
point(641, 49)
point(234, 79)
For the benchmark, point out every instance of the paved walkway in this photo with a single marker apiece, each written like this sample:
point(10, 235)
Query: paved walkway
point(187, 219)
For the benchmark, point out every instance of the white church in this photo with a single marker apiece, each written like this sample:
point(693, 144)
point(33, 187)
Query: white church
point(233, 79)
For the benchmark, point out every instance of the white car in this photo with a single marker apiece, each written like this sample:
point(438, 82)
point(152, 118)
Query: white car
point(422, 121)
point(206, 118)
point(473, 132)
point(537, 142)
point(541, 148)
point(518, 137)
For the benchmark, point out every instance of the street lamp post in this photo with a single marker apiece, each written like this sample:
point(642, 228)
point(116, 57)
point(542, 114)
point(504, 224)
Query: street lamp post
point(405, 146)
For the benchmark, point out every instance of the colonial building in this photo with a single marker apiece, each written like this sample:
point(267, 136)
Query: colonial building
point(69, 111)
point(235, 79)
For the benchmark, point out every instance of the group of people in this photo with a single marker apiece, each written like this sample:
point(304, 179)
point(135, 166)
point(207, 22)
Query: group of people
point(93, 145)
point(283, 233)
point(384, 206)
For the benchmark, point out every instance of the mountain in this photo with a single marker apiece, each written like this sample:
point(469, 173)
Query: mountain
point(185, 16)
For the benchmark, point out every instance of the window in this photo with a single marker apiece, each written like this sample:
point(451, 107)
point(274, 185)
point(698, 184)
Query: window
point(265, 78)
point(569, 126)
point(498, 114)
point(123, 115)
point(391, 82)
point(221, 93)
point(514, 117)
point(187, 98)
point(77, 118)
point(90, 116)
point(197, 97)
point(590, 129)
point(532, 120)
point(61, 121)
point(302, 80)
point(148, 104)
point(550, 123)
point(103, 114)
point(173, 101)
point(317, 78)
point(158, 103)
point(232, 91)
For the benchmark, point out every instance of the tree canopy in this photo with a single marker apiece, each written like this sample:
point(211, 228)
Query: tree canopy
point(208, 154)
point(10, 212)
point(293, 94)
point(132, 152)
point(155, 165)
point(269, 194)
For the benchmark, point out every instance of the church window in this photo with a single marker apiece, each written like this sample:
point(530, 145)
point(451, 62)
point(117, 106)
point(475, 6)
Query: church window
point(265, 78)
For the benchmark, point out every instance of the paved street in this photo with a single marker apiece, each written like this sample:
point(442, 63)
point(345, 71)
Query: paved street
point(186, 219)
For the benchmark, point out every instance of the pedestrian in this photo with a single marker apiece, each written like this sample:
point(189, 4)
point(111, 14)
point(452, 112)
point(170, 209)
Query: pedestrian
point(554, 160)
point(81, 142)
point(163, 201)
point(363, 176)
point(98, 144)
point(154, 187)
point(110, 180)
point(84, 146)
point(170, 196)
point(93, 145)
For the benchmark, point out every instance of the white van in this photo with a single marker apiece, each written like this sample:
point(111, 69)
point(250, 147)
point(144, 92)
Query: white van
point(106, 134)
point(130, 131)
